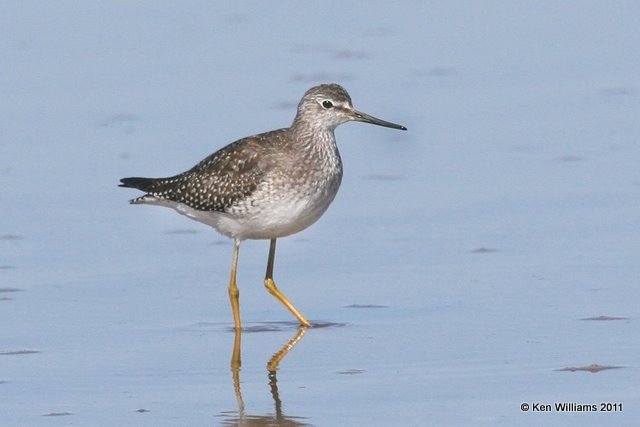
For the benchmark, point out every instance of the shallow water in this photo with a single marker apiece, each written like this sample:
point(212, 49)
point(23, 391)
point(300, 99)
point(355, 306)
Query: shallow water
point(485, 259)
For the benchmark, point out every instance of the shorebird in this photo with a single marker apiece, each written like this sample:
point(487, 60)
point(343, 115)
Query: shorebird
point(265, 186)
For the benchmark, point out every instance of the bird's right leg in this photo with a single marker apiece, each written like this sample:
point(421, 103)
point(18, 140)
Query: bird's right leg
point(234, 292)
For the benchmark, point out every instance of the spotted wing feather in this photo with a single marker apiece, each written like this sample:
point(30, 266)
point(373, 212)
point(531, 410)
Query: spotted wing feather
point(215, 184)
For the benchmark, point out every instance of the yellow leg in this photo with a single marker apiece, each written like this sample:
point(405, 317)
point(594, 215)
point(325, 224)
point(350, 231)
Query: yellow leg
point(273, 289)
point(234, 292)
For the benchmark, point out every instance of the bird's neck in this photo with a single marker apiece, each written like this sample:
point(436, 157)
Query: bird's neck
point(313, 136)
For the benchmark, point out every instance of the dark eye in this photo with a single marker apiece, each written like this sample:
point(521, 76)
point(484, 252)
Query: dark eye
point(327, 104)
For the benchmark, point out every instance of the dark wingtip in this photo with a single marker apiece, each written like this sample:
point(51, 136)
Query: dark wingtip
point(136, 182)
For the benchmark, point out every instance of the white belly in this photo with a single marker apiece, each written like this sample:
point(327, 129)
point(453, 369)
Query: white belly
point(261, 217)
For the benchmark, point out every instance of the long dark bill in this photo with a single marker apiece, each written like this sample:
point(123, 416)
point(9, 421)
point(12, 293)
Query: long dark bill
point(362, 117)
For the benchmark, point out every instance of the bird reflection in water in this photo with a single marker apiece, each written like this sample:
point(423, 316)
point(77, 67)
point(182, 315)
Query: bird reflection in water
point(277, 418)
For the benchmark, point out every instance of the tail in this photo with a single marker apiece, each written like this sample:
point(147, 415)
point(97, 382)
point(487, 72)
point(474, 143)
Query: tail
point(144, 184)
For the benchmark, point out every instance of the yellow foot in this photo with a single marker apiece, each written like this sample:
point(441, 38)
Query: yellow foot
point(273, 290)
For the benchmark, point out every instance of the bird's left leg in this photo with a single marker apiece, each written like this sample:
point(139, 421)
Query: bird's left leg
point(273, 289)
